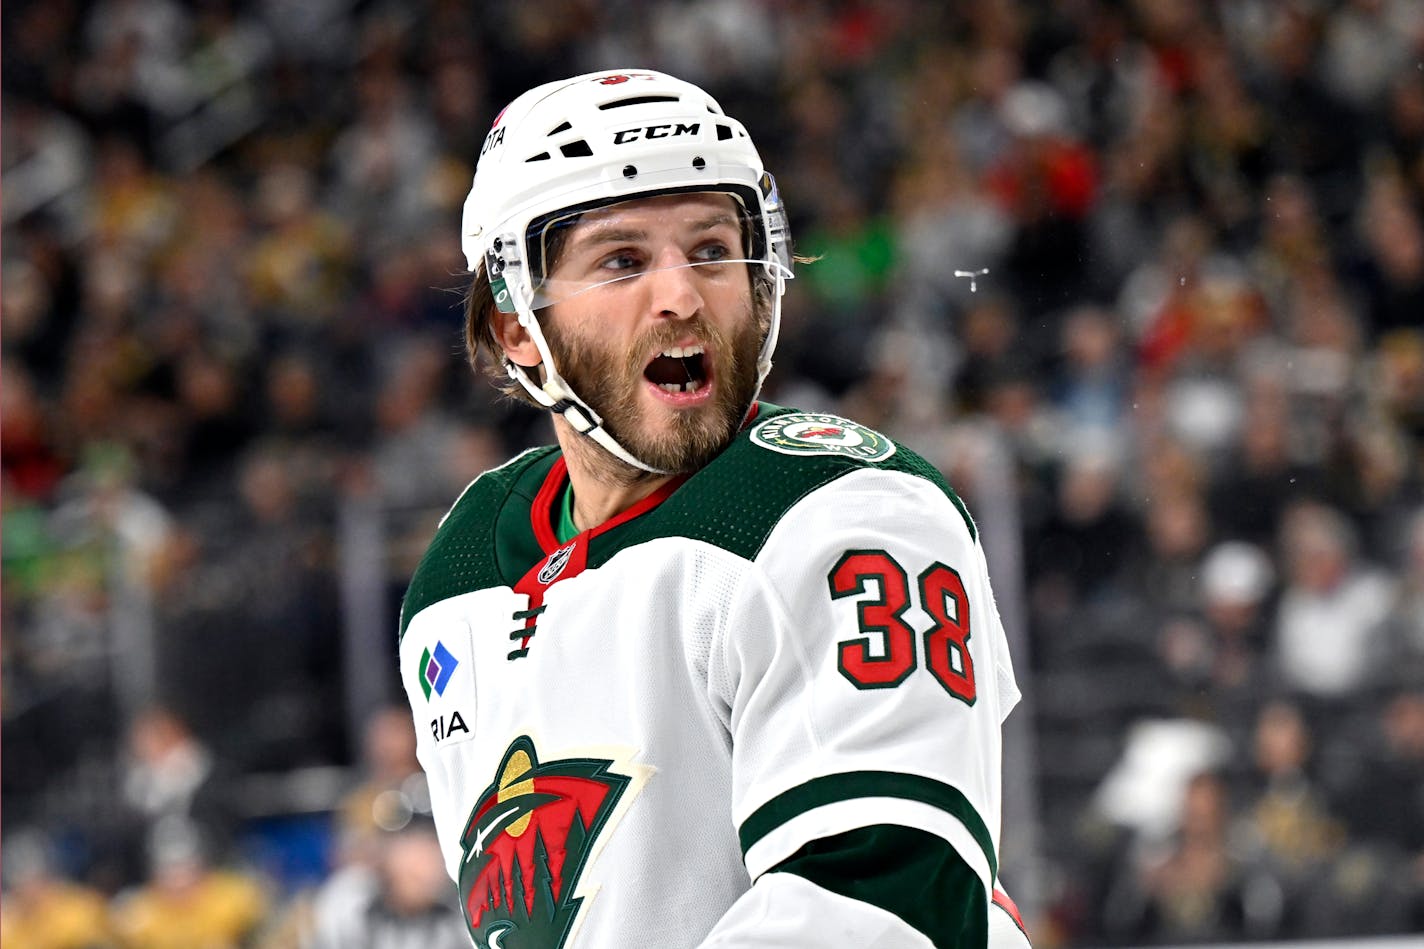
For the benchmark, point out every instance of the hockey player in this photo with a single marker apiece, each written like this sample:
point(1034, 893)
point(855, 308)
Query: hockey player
point(708, 671)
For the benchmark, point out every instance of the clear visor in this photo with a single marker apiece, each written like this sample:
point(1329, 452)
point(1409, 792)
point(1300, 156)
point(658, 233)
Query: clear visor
point(706, 238)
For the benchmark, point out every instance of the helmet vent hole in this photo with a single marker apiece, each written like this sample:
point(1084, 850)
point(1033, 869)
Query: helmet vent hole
point(699, 163)
point(577, 149)
point(636, 100)
point(630, 171)
point(562, 128)
point(723, 133)
point(542, 156)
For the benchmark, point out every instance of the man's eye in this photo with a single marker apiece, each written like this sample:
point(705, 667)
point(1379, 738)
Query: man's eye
point(710, 252)
point(619, 262)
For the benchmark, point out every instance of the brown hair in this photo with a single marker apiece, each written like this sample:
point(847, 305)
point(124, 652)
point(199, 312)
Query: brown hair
point(479, 323)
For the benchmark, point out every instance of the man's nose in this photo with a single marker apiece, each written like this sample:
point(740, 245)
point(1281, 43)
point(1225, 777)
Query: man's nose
point(673, 286)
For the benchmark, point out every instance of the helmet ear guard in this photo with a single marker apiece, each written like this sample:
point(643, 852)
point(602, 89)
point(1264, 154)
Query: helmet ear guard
point(502, 263)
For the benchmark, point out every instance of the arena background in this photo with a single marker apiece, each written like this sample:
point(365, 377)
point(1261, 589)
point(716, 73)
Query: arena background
point(1145, 278)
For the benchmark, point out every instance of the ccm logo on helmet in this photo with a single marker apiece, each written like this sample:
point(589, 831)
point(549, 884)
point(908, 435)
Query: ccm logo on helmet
point(668, 130)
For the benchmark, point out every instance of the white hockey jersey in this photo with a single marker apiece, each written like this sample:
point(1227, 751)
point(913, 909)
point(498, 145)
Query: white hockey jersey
point(760, 708)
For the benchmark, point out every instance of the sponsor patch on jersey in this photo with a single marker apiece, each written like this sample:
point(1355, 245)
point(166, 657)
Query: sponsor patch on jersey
point(436, 670)
point(806, 433)
point(443, 674)
point(527, 841)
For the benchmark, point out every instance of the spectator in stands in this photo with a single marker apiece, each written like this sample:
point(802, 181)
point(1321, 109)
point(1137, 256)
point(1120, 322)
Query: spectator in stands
point(1263, 472)
point(1178, 530)
point(1327, 587)
point(1192, 889)
point(414, 429)
point(383, 158)
point(1046, 180)
point(30, 455)
point(172, 779)
point(1403, 132)
point(392, 786)
point(1384, 801)
point(1405, 625)
point(1092, 384)
point(408, 900)
point(988, 338)
point(391, 793)
point(188, 901)
point(1399, 385)
point(1085, 545)
point(1382, 804)
point(1392, 269)
point(42, 909)
point(1217, 655)
point(1290, 828)
point(299, 268)
point(280, 701)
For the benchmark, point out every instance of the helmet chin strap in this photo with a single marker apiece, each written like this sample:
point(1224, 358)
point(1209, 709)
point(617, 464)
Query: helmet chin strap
point(559, 397)
point(768, 345)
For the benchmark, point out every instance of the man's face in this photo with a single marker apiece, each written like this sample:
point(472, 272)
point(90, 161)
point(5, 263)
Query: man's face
point(649, 329)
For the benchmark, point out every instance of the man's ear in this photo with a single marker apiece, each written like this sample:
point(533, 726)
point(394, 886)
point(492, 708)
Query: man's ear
point(514, 339)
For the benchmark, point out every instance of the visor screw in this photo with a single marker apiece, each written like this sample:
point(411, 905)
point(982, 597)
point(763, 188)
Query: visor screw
point(630, 171)
point(699, 163)
point(499, 244)
point(497, 266)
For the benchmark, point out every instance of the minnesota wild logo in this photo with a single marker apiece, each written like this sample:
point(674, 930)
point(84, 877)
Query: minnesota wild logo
point(527, 841)
point(803, 433)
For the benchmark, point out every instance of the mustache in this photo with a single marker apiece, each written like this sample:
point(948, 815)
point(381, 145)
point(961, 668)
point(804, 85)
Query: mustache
point(663, 335)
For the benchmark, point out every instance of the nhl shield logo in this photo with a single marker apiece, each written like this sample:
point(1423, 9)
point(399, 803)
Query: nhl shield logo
point(556, 563)
point(803, 433)
point(527, 842)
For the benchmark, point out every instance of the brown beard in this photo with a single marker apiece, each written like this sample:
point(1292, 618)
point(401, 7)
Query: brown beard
point(609, 383)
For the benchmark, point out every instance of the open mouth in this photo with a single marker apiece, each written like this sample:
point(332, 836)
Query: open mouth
point(678, 369)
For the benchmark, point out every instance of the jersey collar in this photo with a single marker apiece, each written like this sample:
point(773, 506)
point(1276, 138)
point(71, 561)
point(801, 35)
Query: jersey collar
point(541, 512)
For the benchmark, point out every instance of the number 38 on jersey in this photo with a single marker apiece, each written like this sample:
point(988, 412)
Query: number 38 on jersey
point(883, 586)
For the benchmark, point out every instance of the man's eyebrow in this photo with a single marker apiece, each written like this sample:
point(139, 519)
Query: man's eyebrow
point(720, 219)
point(608, 235)
point(613, 234)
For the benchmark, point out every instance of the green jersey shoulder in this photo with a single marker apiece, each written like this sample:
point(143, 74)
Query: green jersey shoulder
point(488, 538)
point(779, 459)
point(485, 537)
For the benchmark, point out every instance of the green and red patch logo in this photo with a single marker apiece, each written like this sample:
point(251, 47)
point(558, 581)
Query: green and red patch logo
point(805, 433)
point(436, 669)
point(526, 843)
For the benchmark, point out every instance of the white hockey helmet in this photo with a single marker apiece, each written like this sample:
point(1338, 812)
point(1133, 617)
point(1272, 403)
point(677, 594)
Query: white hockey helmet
point(598, 139)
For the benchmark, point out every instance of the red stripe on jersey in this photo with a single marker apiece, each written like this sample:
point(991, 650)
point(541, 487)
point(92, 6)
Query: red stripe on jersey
point(1001, 899)
point(552, 568)
point(642, 507)
point(542, 510)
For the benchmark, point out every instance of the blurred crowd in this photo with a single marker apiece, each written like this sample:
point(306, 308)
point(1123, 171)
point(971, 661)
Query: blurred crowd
point(1168, 256)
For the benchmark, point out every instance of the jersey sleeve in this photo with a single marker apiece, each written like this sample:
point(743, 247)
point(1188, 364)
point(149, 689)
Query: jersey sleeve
point(865, 676)
point(434, 710)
